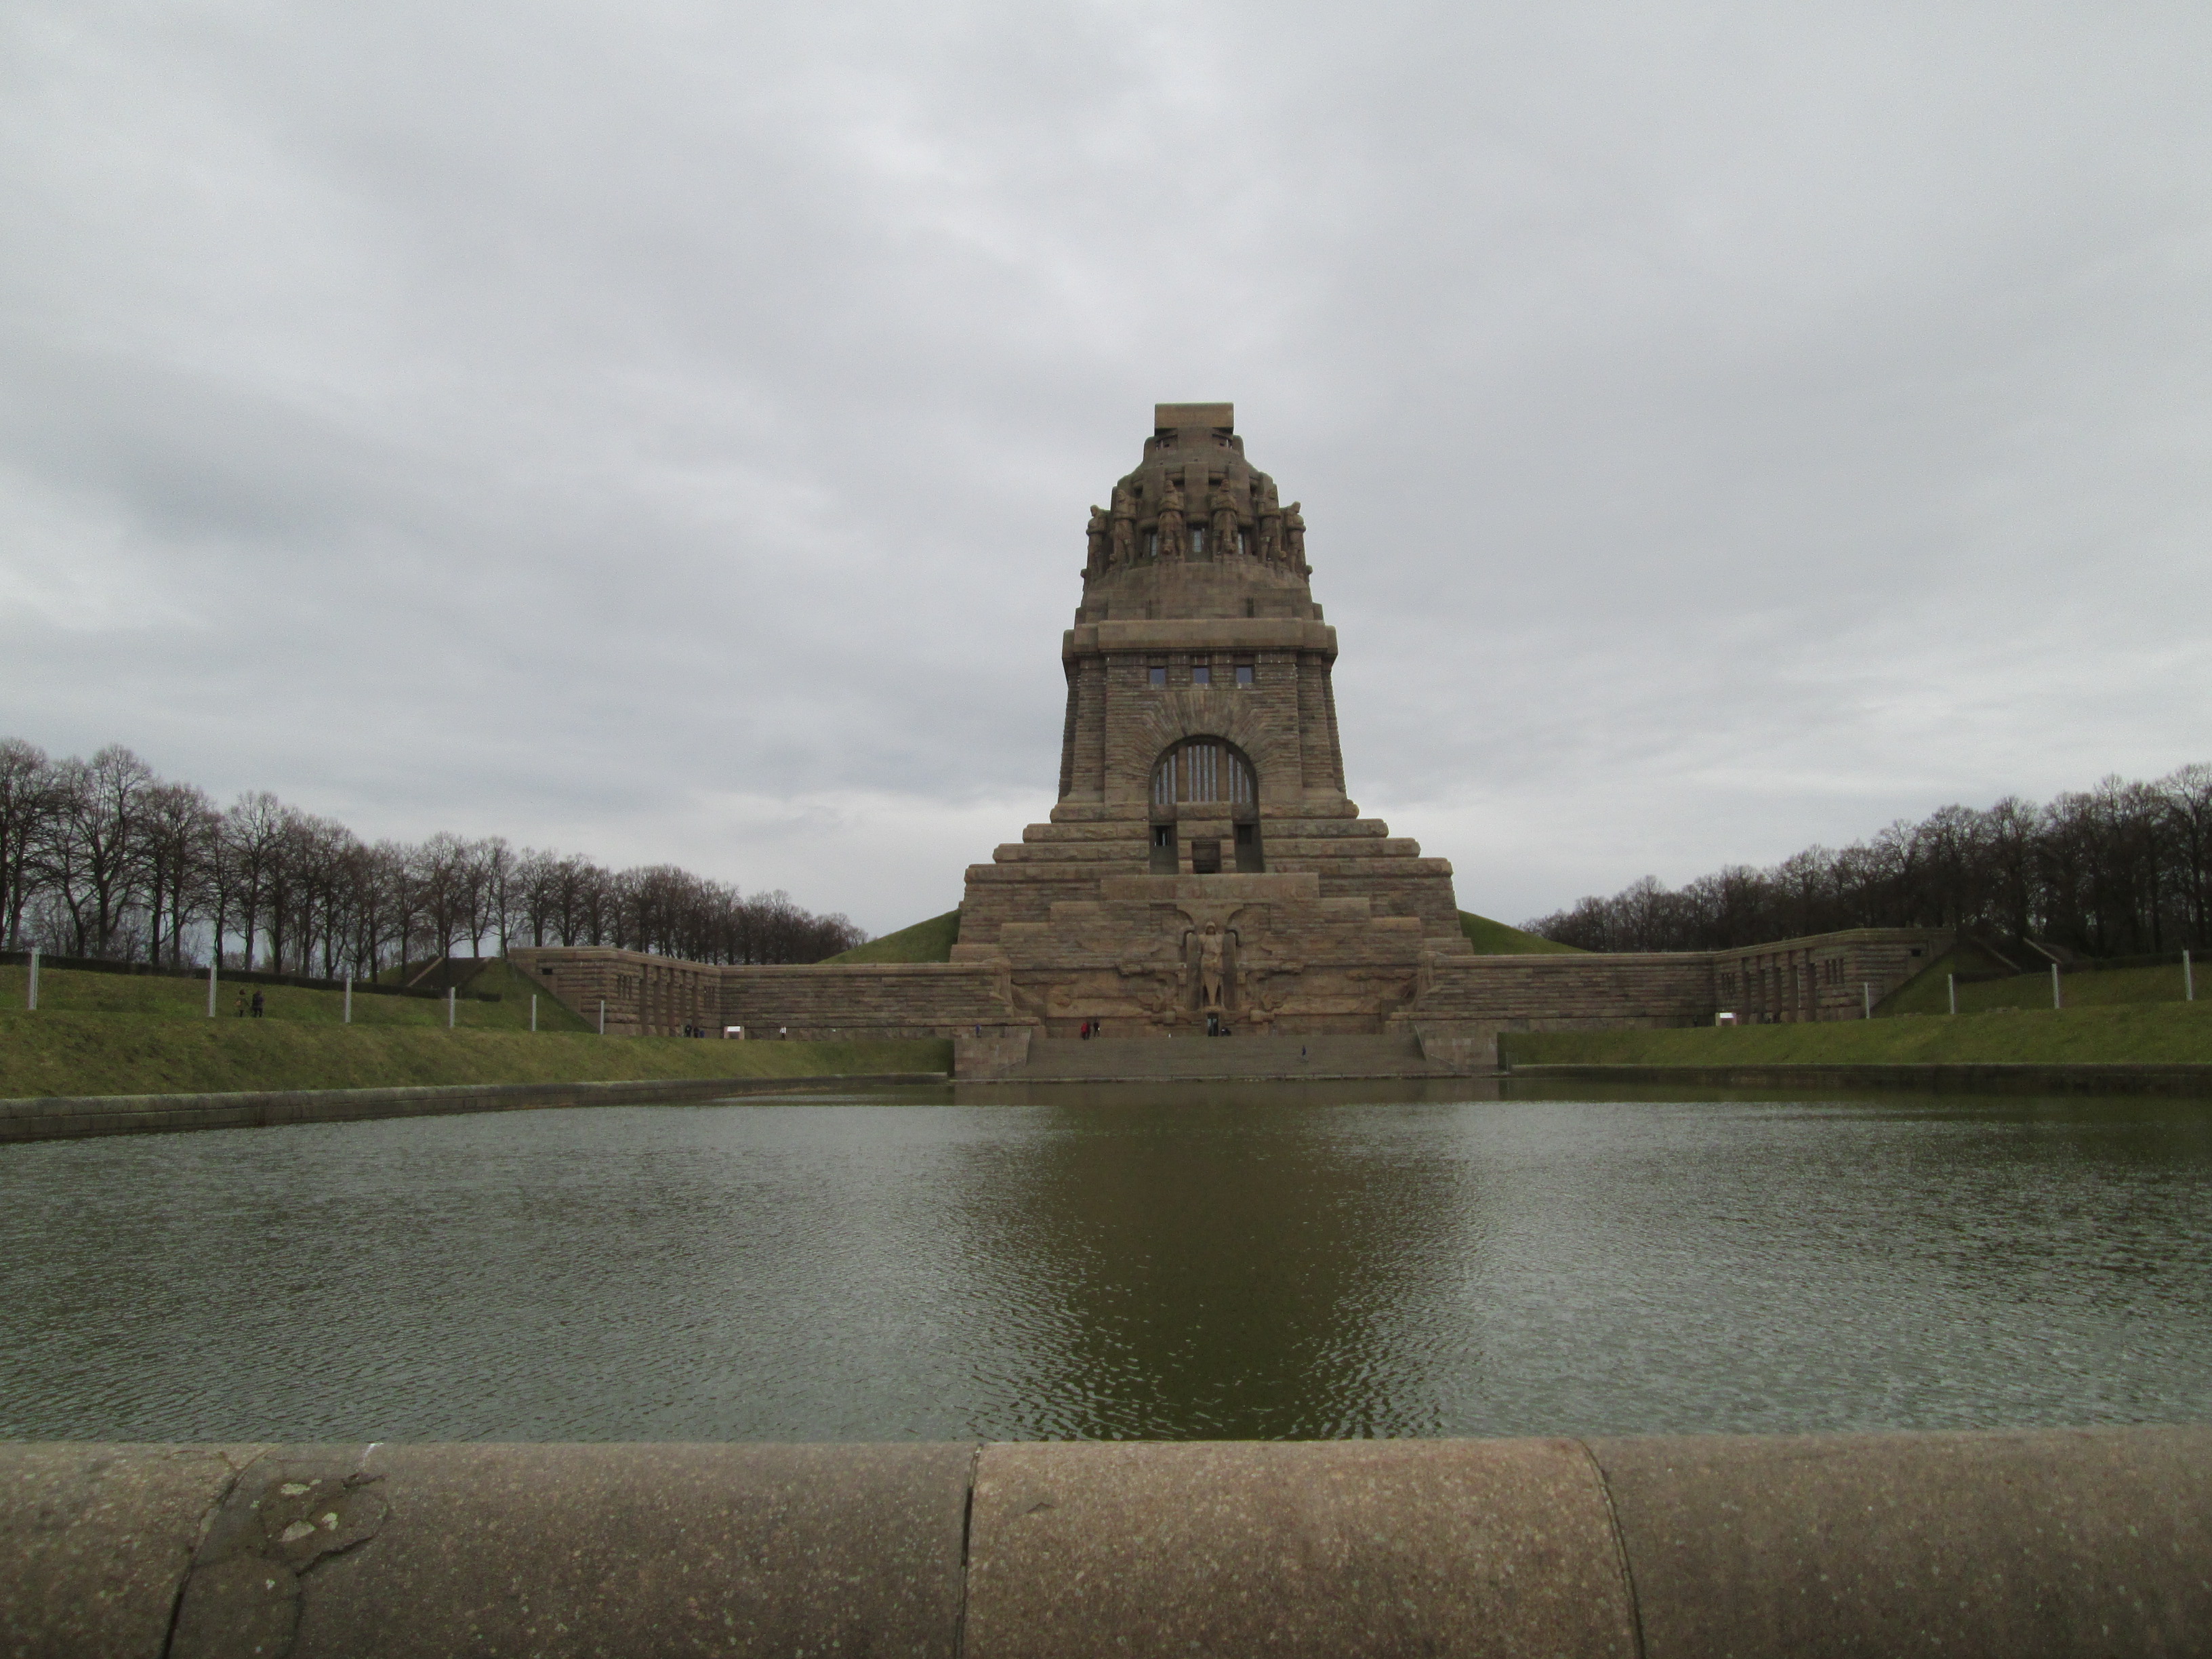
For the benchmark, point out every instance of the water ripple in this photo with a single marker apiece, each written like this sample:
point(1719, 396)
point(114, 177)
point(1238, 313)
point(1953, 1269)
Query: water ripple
point(1233, 1262)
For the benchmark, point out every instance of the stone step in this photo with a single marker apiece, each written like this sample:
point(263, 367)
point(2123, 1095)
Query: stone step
point(1194, 1055)
point(1341, 847)
point(1030, 852)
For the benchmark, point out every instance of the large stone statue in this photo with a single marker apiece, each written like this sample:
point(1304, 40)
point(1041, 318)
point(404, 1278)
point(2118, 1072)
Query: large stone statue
point(1294, 537)
point(1211, 979)
point(1222, 537)
point(1125, 526)
point(1097, 535)
point(1268, 511)
point(1175, 540)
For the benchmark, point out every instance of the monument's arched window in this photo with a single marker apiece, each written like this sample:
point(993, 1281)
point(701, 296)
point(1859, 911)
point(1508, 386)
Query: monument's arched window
point(1202, 770)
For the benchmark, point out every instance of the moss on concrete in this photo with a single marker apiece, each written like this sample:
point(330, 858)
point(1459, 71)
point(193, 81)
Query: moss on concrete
point(1495, 939)
point(926, 941)
point(57, 1052)
point(2170, 1031)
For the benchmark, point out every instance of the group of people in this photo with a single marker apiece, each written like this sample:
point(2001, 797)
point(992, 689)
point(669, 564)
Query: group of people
point(1215, 1026)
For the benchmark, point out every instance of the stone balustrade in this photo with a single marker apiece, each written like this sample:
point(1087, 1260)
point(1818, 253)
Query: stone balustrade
point(2050, 1542)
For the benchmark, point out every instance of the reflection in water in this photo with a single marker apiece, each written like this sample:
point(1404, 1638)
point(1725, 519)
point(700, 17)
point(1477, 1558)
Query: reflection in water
point(1199, 1262)
point(1196, 1265)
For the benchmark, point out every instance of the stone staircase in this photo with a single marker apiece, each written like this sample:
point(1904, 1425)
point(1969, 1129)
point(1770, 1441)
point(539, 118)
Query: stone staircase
point(1071, 1060)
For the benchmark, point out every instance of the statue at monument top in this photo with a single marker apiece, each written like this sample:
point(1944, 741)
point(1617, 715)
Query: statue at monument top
point(1174, 538)
point(1195, 530)
point(1223, 506)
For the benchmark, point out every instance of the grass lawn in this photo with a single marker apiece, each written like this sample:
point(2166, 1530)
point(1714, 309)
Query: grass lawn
point(1925, 992)
point(158, 997)
point(1495, 939)
point(96, 1034)
point(926, 941)
point(2112, 1031)
point(59, 1053)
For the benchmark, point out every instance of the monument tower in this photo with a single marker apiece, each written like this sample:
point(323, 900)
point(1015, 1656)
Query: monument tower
point(1204, 865)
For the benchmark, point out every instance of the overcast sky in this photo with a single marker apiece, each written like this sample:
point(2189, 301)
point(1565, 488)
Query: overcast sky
point(665, 430)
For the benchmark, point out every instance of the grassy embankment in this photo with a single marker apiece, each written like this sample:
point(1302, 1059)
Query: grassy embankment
point(1925, 993)
point(1495, 939)
point(926, 941)
point(152, 996)
point(115, 1034)
point(2110, 1031)
point(932, 940)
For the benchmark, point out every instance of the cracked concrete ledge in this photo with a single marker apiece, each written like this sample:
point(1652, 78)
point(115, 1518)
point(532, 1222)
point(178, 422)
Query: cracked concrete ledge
point(62, 1117)
point(2014, 1544)
point(2123, 1077)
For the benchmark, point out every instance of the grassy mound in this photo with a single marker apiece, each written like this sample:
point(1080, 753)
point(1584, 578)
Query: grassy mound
point(926, 941)
point(59, 1053)
point(1495, 939)
point(159, 997)
point(2117, 1032)
point(1925, 993)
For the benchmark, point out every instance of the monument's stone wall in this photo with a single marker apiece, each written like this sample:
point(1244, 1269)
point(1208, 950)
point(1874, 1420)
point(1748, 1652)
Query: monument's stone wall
point(1538, 992)
point(1125, 961)
point(659, 996)
point(1833, 977)
point(882, 1001)
point(637, 993)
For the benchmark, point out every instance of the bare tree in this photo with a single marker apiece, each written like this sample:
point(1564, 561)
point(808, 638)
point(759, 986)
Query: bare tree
point(101, 857)
point(26, 805)
point(252, 834)
point(181, 830)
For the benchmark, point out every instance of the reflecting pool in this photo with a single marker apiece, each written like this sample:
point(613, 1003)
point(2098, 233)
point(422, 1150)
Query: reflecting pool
point(1188, 1261)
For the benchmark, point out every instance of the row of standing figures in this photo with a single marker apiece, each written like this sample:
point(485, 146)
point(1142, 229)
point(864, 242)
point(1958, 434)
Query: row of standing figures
point(1280, 537)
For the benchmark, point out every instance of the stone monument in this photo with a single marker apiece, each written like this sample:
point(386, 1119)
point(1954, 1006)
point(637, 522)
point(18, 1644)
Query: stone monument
point(1204, 865)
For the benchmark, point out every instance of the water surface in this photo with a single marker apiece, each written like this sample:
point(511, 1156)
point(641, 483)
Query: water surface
point(1280, 1261)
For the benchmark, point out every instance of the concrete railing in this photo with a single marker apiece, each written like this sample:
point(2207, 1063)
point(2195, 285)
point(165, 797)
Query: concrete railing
point(2058, 1542)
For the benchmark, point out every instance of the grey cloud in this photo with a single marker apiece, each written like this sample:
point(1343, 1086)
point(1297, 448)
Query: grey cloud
point(1721, 429)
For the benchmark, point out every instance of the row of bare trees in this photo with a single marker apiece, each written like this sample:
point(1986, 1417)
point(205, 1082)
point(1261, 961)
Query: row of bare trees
point(2122, 869)
point(102, 858)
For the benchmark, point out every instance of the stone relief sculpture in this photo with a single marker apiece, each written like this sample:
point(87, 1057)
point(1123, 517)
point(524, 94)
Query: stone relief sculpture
point(1294, 536)
point(1175, 538)
point(1211, 983)
point(1223, 505)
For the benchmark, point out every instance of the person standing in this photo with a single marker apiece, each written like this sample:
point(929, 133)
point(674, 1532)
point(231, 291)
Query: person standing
point(257, 1005)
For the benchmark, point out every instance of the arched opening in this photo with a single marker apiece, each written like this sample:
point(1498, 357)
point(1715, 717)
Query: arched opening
point(1205, 778)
